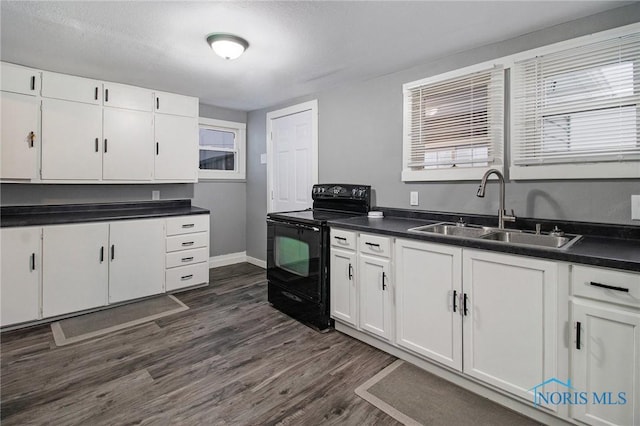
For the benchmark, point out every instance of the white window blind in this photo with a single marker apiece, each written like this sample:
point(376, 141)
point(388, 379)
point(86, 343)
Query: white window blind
point(456, 122)
point(578, 105)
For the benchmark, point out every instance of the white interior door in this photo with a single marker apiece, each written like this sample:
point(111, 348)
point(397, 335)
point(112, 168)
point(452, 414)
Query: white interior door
point(293, 156)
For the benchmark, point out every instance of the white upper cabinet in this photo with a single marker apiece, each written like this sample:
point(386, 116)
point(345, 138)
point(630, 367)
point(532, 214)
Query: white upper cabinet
point(71, 88)
point(71, 140)
point(127, 97)
point(19, 135)
point(18, 79)
point(128, 145)
point(170, 103)
point(176, 155)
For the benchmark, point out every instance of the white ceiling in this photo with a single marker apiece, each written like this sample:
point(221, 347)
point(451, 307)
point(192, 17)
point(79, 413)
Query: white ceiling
point(296, 47)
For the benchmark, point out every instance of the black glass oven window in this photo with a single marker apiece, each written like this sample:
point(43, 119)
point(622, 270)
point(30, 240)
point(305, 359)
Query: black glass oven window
point(292, 255)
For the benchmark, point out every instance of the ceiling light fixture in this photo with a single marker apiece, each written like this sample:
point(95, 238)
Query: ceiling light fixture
point(227, 46)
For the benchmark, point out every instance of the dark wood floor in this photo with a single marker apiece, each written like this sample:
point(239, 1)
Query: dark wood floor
point(229, 360)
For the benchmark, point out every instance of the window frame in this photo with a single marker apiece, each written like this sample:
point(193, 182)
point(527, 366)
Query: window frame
point(447, 174)
point(239, 130)
point(567, 171)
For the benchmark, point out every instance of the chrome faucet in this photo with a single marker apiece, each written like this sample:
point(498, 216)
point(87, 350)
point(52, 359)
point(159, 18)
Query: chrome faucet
point(502, 216)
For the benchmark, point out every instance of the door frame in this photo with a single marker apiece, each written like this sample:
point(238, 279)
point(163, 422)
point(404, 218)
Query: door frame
point(273, 115)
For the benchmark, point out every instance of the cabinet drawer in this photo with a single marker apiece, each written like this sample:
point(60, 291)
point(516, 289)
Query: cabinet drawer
point(376, 245)
point(344, 239)
point(606, 285)
point(187, 257)
point(187, 224)
point(188, 241)
point(187, 276)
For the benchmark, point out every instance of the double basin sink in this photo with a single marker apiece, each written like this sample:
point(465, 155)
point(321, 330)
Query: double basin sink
point(511, 236)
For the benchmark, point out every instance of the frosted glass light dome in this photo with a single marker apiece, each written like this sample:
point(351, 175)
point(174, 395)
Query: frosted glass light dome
point(227, 46)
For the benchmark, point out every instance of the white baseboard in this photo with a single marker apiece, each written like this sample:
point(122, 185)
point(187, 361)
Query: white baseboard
point(257, 262)
point(227, 259)
point(233, 258)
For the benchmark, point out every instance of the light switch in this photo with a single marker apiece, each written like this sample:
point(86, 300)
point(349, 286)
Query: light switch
point(263, 158)
point(635, 207)
point(155, 195)
point(414, 198)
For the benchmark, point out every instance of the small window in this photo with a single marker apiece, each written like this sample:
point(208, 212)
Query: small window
point(222, 149)
point(575, 112)
point(454, 125)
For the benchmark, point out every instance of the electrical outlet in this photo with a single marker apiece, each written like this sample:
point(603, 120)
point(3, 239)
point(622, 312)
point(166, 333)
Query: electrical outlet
point(155, 195)
point(635, 207)
point(413, 199)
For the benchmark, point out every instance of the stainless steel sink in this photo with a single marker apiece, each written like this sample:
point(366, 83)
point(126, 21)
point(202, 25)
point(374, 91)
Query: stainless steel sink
point(539, 240)
point(509, 236)
point(452, 230)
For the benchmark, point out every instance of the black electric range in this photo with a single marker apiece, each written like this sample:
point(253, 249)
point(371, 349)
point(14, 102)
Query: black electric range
point(298, 266)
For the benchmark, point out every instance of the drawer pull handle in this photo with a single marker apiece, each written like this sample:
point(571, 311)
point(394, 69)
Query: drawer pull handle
point(33, 261)
point(186, 277)
point(188, 225)
point(609, 287)
point(187, 259)
point(350, 272)
point(384, 284)
point(188, 243)
point(372, 244)
point(340, 238)
point(578, 329)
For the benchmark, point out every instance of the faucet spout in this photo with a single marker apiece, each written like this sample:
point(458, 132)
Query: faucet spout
point(502, 216)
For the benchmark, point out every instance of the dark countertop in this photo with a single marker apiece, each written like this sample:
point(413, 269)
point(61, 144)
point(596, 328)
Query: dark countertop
point(597, 250)
point(12, 216)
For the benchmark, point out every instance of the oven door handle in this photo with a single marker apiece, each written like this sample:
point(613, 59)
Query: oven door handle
point(297, 225)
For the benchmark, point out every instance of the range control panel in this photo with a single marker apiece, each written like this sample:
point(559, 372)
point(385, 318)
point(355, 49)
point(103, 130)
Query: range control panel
point(328, 191)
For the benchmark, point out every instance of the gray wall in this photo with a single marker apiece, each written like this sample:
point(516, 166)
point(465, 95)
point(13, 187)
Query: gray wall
point(227, 200)
point(364, 121)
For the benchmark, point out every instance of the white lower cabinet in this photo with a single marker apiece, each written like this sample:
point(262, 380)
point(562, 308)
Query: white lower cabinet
point(606, 364)
point(510, 321)
point(21, 263)
point(136, 259)
point(343, 286)
point(76, 267)
point(375, 308)
point(428, 290)
point(605, 345)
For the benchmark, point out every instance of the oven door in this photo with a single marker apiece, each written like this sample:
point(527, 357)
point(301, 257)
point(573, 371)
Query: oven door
point(294, 258)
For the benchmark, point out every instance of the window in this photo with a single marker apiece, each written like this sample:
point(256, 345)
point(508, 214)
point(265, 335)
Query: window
point(222, 149)
point(454, 125)
point(576, 111)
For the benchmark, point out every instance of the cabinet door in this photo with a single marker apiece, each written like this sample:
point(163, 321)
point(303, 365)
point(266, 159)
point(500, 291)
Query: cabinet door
point(128, 145)
point(71, 140)
point(177, 148)
point(75, 266)
point(606, 363)
point(375, 295)
point(170, 103)
point(510, 325)
point(20, 274)
point(136, 259)
point(18, 135)
point(343, 286)
point(428, 285)
point(17, 79)
point(128, 97)
point(71, 88)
